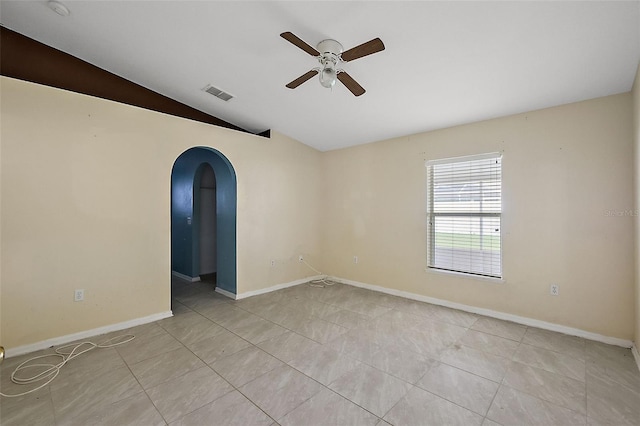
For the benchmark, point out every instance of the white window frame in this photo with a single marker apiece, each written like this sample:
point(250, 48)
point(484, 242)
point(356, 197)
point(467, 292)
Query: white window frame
point(431, 215)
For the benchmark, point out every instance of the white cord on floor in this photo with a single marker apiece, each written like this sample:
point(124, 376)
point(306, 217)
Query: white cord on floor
point(54, 369)
point(322, 282)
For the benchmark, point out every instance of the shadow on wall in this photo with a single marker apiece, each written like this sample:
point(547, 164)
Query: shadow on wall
point(185, 226)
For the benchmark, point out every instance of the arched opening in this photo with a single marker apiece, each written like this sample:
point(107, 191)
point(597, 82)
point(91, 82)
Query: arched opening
point(199, 174)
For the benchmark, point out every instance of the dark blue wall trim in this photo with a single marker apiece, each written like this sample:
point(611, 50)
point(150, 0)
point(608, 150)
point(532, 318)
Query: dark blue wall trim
point(184, 226)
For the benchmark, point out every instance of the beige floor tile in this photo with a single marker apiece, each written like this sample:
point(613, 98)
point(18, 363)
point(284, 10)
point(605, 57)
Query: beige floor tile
point(250, 304)
point(259, 331)
point(428, 344)
point(164, 367)
point(88, 366)
point(403, 364)
point(453, 316)
point(319, 330)
point(367, 309)
point(355, 344)
point(33, 409)
point(417, 308)
point(597, 351)
point(551, 387)
point(181, 320)
point(347, 319)
point(8, 387)
point(440, 335)
point(287, 346)
point(483, 364)
point(511, 407)
point(145, 346)
point(557, 342)
point(554, 362)
point(192, 333)
point(403, 320)
point(329, 294)
point(328, 408)
point(489, 343)
point(609, 402)
point(233, 409)
point(420, 407)
point(393, 302)
point(86, 397)
point(139, 331)
point(219, 311)
point(500, 328)
point(286, 317)
point(245, 365)
point(460, 387)
point(264, 310)
point(135, 410)
point(371, 389)
point(280, 391)
point(315, 308)
point(612, 363)
point(178, 308)
point(323, 364)
point(204, 301)
point(187, 393)
point(236, 319)
point(219, 346)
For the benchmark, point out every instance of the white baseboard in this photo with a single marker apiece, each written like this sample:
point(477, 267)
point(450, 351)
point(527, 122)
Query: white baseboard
point(636, 355)
point(55, 341)
point(494, 314)
point(185, 277)
point(226, 293)
point(278, 287)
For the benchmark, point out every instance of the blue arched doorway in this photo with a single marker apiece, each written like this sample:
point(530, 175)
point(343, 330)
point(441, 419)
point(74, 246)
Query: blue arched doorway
point(185, 226)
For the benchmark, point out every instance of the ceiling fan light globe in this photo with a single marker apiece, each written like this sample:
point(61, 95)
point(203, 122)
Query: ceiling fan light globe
point(328, 77)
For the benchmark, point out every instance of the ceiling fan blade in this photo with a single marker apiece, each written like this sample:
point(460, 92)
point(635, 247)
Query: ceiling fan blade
point(350, 83)
point(368, 48)
point(304, 77)
point(294, 39)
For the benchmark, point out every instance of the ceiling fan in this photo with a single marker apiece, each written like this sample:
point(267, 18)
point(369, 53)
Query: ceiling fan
point(330, 53)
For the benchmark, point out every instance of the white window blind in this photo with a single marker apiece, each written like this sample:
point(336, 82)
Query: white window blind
point(464, 208)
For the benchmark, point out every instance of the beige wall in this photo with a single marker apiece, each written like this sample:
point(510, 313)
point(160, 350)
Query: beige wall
point(563, 169)
point(85, 188)
point(636, 140)
point(80, 175)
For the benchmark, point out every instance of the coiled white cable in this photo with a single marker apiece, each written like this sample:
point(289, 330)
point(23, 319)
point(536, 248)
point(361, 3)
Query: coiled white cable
point(322, 282)
point(52, 370)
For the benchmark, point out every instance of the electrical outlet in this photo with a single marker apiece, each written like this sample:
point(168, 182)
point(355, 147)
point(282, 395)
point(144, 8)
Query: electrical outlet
point(78, 295)
point(355, 259)
point(554, 289)
point(300, 258)
point(273, 263)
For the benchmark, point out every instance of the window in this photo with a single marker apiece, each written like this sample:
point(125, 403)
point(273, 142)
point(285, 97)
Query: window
point(464, 208)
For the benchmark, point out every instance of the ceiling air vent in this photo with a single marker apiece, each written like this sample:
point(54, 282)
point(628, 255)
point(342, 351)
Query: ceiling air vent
point(217, 92)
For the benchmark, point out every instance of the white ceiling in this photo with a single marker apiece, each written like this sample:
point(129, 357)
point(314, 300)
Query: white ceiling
point(445, 63)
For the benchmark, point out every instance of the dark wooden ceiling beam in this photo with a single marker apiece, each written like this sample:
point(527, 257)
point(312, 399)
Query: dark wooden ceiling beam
point(26, 59)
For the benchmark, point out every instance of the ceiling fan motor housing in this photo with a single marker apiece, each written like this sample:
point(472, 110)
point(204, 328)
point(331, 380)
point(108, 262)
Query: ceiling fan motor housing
point(330, 46)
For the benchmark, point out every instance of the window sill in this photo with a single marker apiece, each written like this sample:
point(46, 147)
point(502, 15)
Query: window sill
point(464, 275)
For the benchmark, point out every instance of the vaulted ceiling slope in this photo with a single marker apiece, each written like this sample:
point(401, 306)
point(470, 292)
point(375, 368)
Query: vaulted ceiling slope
point(445, 63)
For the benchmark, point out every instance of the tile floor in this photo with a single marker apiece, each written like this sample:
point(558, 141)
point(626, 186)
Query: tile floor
point(335, 355)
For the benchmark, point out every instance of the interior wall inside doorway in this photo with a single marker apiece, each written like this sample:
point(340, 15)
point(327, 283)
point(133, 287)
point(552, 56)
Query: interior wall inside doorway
point(207, 192)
